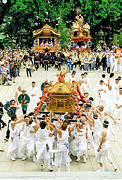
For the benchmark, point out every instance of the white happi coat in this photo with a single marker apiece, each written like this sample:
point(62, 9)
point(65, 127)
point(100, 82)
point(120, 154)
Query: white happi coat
point(13, 140)
point(61, 155)
point(97, 131)
point(112, 62)
point(110, 103)
point(116, 92)
point(104, 148)
point(19, 110)
point(81, 88)
point(42, 140)
point(111, 82)
point(72, 79)
point(78, 145)
point(28, 141)
point(99, 95)
point(119, 110)
point(33, 99)
point(115, 64)
point(85, 86)
point(119, 102)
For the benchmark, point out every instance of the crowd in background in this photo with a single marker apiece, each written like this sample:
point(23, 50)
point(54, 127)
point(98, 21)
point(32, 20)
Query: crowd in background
point(12, 60)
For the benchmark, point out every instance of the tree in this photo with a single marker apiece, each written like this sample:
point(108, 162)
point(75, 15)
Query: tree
point(21, 14)
point(65, 34)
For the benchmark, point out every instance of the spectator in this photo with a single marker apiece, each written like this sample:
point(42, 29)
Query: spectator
point(24, 99)
point(12, 71)
point(28, 66)
point(44, 84)
point(18, 65)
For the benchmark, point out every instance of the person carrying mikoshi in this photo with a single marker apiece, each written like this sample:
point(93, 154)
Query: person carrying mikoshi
point(14, 137)
point(42, 147)
point(28, 136)
point(50, 129)
point(62, 153)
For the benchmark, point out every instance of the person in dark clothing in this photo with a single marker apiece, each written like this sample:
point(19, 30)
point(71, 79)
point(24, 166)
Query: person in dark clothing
point(25, 57)
point(1, 115)
point(50, 60)
point(41, 58)
point(57, 23)
point(47, 18)
point(62, 57)
point(31, 53)
point(37, 22)
point(44, 84)
point(36, 61)
point(13, 109)
point(104, 62)
point(12, 71)
point(97, 62)
point(53, 59)
point(46, 61)
point(59, 62)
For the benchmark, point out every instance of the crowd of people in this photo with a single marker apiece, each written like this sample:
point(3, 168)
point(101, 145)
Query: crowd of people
point(12, 61)
point(53, 139)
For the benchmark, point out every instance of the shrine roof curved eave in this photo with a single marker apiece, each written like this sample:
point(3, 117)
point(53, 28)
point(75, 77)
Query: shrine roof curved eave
point(46, 27)
point(60, 93)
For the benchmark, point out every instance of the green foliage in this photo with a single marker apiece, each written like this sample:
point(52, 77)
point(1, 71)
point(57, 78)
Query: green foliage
point(65, 34)
point(21, 14)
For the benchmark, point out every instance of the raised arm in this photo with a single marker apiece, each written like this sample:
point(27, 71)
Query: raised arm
point(54, 126)
point(107, 114)
point(72, 128)
point(16, 94)
point(60, 122)
point(36, 127)
point(13, 123)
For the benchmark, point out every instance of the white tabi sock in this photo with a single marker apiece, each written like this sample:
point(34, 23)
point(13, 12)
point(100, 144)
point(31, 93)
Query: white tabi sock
point(13, 158)
point(24, 158)
point(68, 168)
point(84, 158)
point(78, 159)
point(102, 168)
point(59, 169)
point(51, 160)
point(34, 158)
point(113, 165)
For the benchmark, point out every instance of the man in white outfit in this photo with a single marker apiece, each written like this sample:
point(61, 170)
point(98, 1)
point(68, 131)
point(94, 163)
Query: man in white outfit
point(42, 147)
point(119, 106)
point(112, 56)
point(116, 91)
point(100, 91)
point(110, 99)
point(103, 148)
point(62, 152)
point(17, 93)
point(34, 98)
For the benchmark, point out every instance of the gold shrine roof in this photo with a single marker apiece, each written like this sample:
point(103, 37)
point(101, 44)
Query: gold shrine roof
point(46, 30)
point(61, 88)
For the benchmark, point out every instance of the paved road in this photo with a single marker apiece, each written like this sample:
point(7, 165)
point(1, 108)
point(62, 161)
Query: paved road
point(7, 93)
